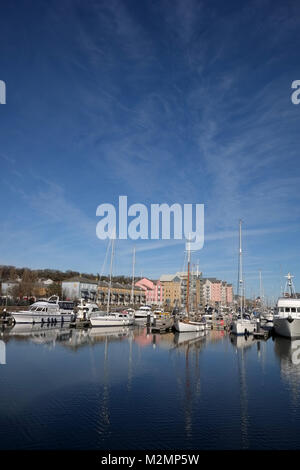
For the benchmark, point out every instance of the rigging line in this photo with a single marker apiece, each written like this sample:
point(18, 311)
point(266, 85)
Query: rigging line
point(105, 258)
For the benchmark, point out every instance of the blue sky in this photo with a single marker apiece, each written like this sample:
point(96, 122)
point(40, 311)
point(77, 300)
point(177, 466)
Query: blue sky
point(163, 101)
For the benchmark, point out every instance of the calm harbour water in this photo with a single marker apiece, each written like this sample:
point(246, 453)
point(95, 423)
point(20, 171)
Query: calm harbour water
point(126, 389)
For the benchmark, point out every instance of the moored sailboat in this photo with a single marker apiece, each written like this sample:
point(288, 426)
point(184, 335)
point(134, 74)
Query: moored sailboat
point(188, 325)
point(111, 318)
point(243, 325)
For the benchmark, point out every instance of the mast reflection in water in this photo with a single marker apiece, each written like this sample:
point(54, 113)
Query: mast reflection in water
point(124, 388)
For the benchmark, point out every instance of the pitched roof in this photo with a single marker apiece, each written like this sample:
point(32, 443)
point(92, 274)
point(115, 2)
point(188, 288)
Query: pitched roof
point(169, 278)
point(83, 280)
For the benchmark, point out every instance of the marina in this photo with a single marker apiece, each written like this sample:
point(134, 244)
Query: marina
point(97, 388)
point(149, 234)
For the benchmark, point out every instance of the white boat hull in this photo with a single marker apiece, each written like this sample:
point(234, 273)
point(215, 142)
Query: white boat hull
point(26, 317)
point(110, 321)
point(289, 329)
point(142, 316)
point(242, 326)
point(268, 317)
point(184, 327)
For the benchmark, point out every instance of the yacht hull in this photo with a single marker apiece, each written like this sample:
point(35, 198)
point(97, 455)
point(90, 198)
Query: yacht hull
point(185, 327)
point(290, 328)
point(110, 321)
point(25, 317)
point(242, 327)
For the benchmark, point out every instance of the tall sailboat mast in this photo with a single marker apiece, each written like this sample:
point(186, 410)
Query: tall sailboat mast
point(110, 275)
point(132, 286)
point(261, 295)
point(241, 271)
point(188, 278)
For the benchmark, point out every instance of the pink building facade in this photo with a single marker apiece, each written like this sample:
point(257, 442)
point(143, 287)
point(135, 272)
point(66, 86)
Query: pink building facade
point(229, 294)
point(217, 292)
point(153, 291)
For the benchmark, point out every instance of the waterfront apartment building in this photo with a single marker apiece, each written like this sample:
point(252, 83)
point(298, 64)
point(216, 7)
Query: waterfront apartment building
point(217, 293)
point(153, 291)
point(229, 294)
point(195, 289)
point(121, 294)
point(171, 290)
point(79, 287)
point(175, 289)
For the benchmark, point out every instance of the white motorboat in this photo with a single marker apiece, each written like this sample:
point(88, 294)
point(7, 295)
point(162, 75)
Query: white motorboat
point(287, 316)
point(143, 312)
point(85, 309)
point(243, 326)
point(44, 311)
point(267, 316)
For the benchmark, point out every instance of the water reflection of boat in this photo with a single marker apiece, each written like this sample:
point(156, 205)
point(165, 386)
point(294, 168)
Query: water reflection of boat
point(241, 341)
point(188, 338)
point(288, 353)
point(69, 338)
point(38, 333)
point(242, 344)
point(114, 331)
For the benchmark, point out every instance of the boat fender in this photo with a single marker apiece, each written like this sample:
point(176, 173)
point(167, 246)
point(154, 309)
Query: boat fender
point(290, 319)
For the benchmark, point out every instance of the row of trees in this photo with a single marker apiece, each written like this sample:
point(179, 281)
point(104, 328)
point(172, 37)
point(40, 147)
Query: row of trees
point(28, 286)
point(11, 273)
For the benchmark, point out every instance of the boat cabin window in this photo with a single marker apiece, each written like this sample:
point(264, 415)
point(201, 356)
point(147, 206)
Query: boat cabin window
point(293, 309)
point(32, 309)
point(66, 305)
point(287, 309)
point(298, 309)
point(281, 309)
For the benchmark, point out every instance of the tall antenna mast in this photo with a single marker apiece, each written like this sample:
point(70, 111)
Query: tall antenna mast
point(290, 284)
